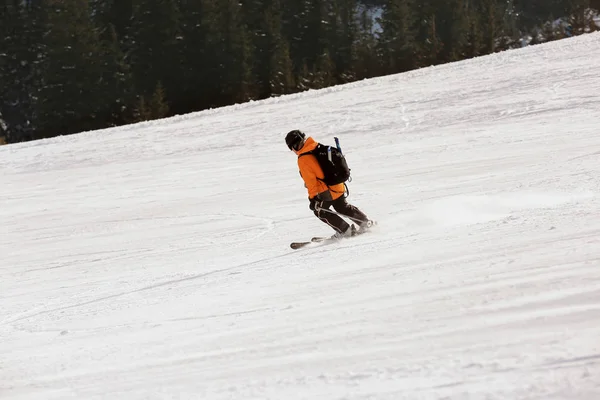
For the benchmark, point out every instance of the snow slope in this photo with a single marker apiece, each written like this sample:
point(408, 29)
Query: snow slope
point(152, 261)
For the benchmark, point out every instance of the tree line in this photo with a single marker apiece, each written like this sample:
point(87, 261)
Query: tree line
point(68, 66)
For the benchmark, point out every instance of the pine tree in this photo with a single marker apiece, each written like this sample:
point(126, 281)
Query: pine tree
point(229, 48)
point(156, 47)
point(22, 26)
point(158, 106)
point(366, 62)
point(428, 43)
point(324, 75)
point(475, 35)
point(11, 73)
point(344, 33)
point(116, 84)
point(71, 72)
point(280, 69)
point(308, 28)
point(534, 14)
point(113, 17)
point(320, 35)
point(196, 62)
point(259, 19)
point(294, 31)
point(493, 15)
point(305, 80)
point(270, 53)
point(580, 16)
point(453, 29)
point(142, 111)
point(397, 37)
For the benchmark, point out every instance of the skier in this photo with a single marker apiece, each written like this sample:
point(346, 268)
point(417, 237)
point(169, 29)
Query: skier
point(321, 196)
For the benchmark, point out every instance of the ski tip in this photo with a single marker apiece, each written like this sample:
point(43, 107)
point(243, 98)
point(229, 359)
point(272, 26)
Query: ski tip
point(299, 245)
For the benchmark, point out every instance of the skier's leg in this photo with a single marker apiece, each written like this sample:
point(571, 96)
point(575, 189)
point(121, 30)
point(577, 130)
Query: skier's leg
point(334, 221)
point(357, 216)
point(343, 207)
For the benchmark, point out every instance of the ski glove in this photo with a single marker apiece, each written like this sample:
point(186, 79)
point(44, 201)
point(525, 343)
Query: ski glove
point(315, 203)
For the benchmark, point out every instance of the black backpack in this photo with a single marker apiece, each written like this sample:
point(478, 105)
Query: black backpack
point(332, 162)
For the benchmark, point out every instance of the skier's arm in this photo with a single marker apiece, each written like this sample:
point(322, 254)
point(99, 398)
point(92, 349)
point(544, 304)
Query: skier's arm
point(308, 171)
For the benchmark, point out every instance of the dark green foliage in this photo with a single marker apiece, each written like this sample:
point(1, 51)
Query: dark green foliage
point(397, 39)
point(427, 39)
point(154, 108)
point(21, 50)
point(79, 73)
point(229, 53)
point(73, 65)
point(113, 13)
point(532, 13)
point(344, 33)
point(453, 29)
point(278, 69)
point(580, 19)
point(366, 62)
point(195, 64)
point(155, 46)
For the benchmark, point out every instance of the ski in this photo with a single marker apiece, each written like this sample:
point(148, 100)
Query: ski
point(317, 240)
point(313, 242)
point(299, 245)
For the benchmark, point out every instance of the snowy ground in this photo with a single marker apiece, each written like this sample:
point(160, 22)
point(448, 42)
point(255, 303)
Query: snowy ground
point(153, 261)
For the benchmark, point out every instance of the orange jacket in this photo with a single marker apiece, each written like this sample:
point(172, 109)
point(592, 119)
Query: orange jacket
point(311, 172)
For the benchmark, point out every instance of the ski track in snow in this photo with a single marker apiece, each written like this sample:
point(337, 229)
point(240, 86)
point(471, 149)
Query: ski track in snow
point(152, 261)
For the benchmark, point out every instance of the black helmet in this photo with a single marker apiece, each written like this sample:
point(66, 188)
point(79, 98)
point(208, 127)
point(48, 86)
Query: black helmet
point(295, 139)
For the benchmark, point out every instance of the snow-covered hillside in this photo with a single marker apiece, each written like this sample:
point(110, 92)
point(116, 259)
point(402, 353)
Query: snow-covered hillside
point(152, 261)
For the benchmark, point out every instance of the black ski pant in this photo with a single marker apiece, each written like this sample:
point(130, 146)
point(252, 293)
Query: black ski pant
point(343, 207)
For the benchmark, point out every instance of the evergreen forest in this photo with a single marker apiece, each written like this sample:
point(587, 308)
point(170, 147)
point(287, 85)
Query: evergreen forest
point(68, 66)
